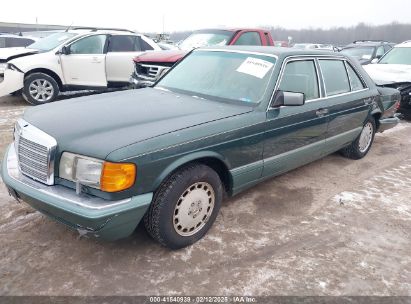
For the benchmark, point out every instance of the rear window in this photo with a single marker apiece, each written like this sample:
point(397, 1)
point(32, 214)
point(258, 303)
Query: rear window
point(249, 38)
point(335, 77)
point(124, 43)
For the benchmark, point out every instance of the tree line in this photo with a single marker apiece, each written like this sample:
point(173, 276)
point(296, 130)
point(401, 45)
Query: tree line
point(393, 32)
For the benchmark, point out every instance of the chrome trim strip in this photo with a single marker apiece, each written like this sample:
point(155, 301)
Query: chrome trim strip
point(60, 192)
point(316, 58)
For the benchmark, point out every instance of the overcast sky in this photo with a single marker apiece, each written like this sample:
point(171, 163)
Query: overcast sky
point(147, 16)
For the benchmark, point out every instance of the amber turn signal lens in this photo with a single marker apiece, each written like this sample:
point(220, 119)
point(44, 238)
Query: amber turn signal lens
point(117, 176)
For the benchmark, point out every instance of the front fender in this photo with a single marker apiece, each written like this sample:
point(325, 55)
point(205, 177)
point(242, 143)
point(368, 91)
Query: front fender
point(196, 156)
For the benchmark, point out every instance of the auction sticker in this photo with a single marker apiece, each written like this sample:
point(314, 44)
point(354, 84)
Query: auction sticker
point(255, 67)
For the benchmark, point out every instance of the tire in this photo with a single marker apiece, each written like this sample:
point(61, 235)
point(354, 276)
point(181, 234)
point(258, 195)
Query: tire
point(40, 88)
point(362, 144)
point(185, 206)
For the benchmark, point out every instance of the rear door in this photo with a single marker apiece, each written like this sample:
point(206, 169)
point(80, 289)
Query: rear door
point(347, 100)
point(121, 51)
point(85, 65)
point(296, 134)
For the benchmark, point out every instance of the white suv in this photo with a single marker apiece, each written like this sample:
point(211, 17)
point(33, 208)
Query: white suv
point(82, 58)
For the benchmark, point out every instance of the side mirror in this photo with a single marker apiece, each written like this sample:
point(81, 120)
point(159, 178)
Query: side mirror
point(65, 50)
point(288, 99)
point(375, 60)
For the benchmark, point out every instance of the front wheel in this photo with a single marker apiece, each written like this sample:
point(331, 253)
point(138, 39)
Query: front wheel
point(185, 206)
point(40, 88)
point(362, 144)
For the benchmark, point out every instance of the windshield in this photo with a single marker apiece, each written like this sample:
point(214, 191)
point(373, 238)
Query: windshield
point(200, 39)
point(398, 55)
point(50, 42)
point(221, 76)
point(359, 52)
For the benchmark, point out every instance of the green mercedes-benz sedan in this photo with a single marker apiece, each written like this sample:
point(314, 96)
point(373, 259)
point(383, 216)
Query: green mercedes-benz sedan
point(219, 122)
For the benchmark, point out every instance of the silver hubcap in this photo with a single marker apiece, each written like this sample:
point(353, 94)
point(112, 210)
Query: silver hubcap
point(193, 209)
point(41, 90)
point(366, 137)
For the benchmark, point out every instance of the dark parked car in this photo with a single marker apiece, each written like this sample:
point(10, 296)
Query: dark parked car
point(365, 51)
point(220, 121)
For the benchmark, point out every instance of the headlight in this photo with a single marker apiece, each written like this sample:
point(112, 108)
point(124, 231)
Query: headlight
point(95, 173)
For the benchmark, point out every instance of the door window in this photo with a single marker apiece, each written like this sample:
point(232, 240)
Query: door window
point(89, 45)
point(300, 77)
point(124, 43)
point(335, 77)
point(355, 80)
point(249, 38)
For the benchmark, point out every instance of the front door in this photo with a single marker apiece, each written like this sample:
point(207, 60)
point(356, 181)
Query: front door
point(295, 135)
point(85, 65)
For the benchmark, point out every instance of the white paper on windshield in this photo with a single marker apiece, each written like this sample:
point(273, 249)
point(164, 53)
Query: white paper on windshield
point(255, 67)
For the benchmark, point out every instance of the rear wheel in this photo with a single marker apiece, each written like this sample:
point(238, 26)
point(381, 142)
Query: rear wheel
point(362, 144)
point(40, 88)
point(185, 206)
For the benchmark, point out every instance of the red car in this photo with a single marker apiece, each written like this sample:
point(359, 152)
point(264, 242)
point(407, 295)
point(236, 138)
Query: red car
point(150, 66)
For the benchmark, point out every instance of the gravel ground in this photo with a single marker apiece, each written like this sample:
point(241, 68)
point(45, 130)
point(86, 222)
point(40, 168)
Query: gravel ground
point(333, 227)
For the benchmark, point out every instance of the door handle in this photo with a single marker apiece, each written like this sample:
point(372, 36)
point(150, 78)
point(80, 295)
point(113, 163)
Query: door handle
point(95, 60)
point(321, 112)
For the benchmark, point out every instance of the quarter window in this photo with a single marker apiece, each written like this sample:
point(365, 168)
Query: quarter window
point(144, 45)
point(335, 77)
point(89, 45)
point(124, 43)
point(300, 77)
point(356, 83)
point(249, 38)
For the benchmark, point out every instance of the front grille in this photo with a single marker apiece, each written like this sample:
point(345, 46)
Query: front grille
point(150, 72)
point(33, 159)
point(35, 152)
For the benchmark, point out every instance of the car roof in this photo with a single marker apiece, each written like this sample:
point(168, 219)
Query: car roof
point(367, 43)
point(405, 44)
point(86, 30)
point(277, 51)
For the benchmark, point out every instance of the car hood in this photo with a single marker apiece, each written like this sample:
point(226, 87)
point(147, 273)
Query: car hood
point(170, 56)
point(7, 54)
point(389, 73)
point(99, 124)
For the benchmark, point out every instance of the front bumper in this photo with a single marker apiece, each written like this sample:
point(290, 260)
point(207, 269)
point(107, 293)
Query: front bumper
point(138, 83)
point(12, 82)
point(89, 215)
